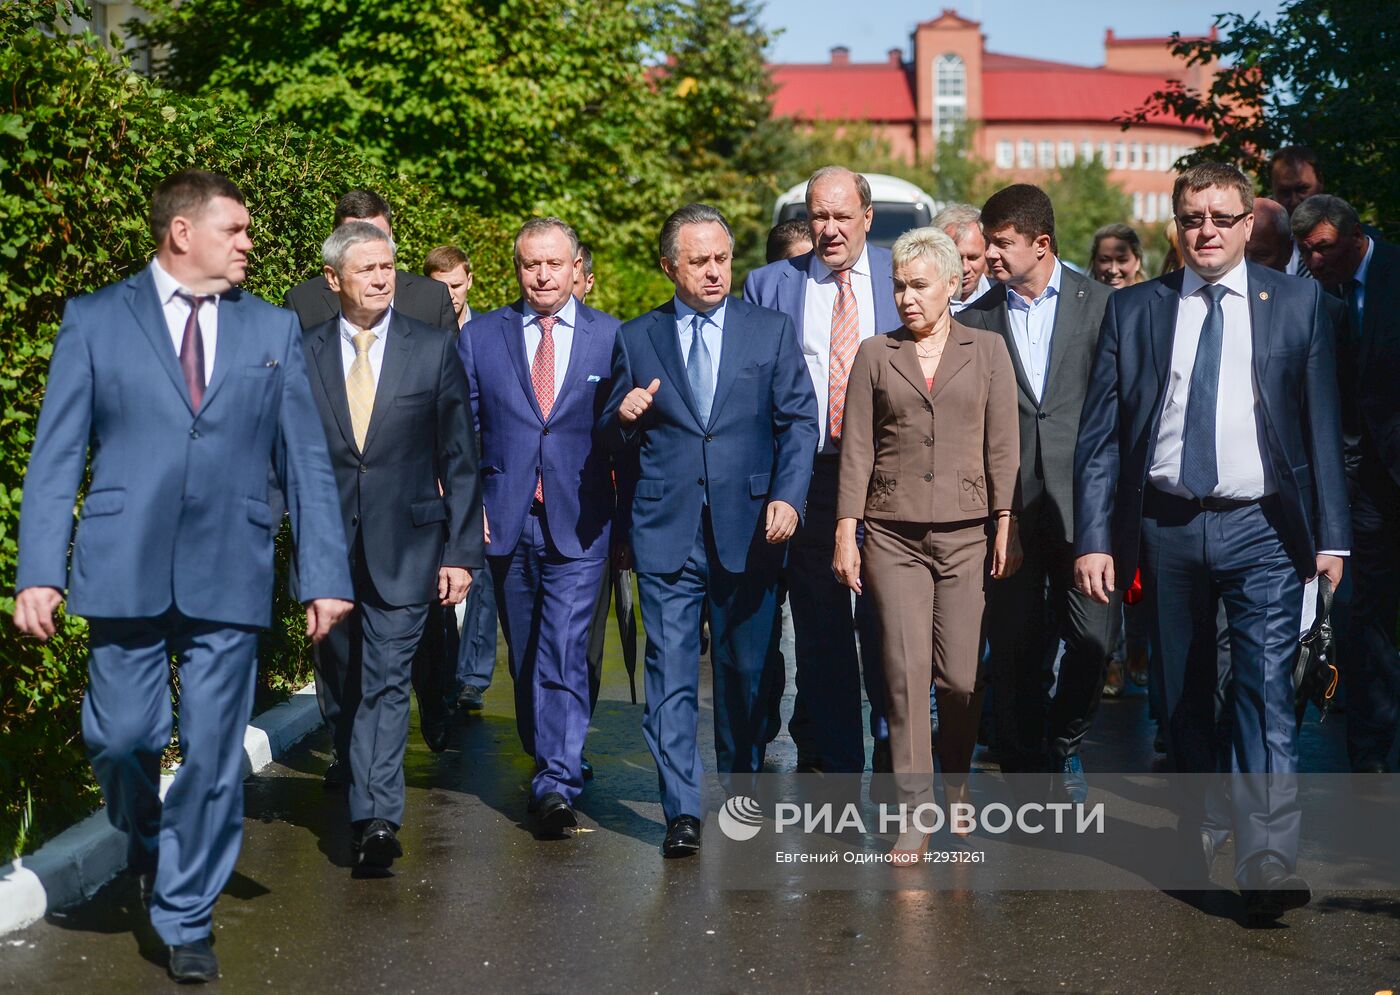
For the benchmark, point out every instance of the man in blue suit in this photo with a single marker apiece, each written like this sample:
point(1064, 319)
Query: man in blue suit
point(837, 295)
point(185, 389)
point(1210, 454)
point(715, 394)
point(539, 372)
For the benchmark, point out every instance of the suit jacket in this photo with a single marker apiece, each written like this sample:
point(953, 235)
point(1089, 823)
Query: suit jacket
point(1296, 377)
point(518, 442)
point(177, 511)
point(1367, 361)
point(419, 297)
point(895, 466)
point(782, 286)
point(758, 446)
point(1050, 426)
point(410, 502)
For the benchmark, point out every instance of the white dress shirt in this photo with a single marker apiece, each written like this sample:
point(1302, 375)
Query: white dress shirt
point(562, 334)
point(983, 285)
point(1032, 327)
point(177, 312)
point(818, 301)
point(376, 348)
point(1243, 474)
point(712, 330)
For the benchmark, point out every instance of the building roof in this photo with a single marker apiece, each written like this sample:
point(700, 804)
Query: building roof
point(1060, 92)
point(851, 92)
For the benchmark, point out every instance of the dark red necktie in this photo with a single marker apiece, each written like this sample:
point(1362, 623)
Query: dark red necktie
point(192, 348)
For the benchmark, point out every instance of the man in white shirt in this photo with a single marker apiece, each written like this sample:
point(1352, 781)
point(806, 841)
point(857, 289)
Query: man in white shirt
point(1210, 453)
point(837, 295)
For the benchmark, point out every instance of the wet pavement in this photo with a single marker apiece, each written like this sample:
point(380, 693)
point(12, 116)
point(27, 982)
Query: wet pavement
point(478, 903)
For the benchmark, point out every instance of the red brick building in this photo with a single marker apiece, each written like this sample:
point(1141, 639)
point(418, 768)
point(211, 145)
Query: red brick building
point(1032, 115)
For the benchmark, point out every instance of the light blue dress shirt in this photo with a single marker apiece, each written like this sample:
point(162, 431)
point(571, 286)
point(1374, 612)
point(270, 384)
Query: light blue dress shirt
point(713, 331)
point(1032, 324)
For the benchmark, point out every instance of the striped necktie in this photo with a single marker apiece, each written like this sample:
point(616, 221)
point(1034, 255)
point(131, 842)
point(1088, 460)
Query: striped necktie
point(542, 379)
point(845, 337)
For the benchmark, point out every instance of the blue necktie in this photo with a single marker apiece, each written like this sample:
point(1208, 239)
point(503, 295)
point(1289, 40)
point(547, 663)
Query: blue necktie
point(698, 370)
point(1199, 473)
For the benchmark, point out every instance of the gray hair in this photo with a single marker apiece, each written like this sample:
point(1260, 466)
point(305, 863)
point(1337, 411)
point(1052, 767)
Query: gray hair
point(540, 226)
point(690, 214)
point(928, 243)
point(833, 172)
point(1322, 207)
point(348, 235)
point(959, 217)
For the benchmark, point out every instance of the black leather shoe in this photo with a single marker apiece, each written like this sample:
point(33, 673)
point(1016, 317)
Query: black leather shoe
point(682, 837)
point(146, 882)
point(1276, 891)
point(807, 763)
point(554, 815)
point(435, 732)
point(881, 761)
point(378, 845)
point(1371, 767)
point(337, 775)
point(587, 768)
point(470, 698)
point(193, 963)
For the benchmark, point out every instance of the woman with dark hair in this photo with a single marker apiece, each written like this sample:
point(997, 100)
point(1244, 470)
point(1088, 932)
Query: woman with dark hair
point(1116, 258)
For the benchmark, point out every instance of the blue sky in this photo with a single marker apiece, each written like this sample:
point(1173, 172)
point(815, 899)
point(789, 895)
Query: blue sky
point(1062, 30)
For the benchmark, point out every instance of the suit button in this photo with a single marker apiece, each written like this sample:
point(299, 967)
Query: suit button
point(1042, 416)
point(194, 433)
point(354, 519)
point(927, 406)
point(928, 476)
point(701, 481)
point(928, 442)
point(709, 438)
point(545, 432)
point(364, 468)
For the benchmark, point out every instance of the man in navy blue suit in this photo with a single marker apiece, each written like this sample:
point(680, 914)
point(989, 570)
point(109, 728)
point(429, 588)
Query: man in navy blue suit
point(193, 388)
point(837, 295)
point(1210, 454)
point(715, 394)
point(539, 371)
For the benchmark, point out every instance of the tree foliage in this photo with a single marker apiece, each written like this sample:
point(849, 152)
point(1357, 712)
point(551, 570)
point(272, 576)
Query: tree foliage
point(1322, 73)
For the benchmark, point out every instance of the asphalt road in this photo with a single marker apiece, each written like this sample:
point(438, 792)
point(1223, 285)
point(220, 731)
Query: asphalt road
point(479, 904)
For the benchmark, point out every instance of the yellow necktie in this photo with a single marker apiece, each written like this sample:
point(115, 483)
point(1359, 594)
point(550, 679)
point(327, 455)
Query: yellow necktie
point(359, 387)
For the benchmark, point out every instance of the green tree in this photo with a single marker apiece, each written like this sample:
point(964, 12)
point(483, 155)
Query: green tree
point(1322, 73)
point(1085, 200)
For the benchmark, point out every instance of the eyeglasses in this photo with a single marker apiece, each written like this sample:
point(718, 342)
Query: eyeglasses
point(1193, 221)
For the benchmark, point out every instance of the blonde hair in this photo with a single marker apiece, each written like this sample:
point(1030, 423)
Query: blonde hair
point(928, 243)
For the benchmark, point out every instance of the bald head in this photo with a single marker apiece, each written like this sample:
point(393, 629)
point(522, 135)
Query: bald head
point(1271, 242)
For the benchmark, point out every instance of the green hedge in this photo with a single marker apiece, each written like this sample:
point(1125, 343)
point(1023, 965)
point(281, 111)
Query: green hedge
point(82, 142)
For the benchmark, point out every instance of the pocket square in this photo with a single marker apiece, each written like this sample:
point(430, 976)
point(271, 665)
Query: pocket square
point(594, 378)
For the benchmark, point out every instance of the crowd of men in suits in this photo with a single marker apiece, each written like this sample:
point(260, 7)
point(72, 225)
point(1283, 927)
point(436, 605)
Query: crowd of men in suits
point(443, 469)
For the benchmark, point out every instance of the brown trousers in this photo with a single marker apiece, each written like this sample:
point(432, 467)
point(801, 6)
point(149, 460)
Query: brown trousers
point(929, 587)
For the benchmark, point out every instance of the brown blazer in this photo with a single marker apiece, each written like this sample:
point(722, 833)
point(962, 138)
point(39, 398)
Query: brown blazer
point(895, 466)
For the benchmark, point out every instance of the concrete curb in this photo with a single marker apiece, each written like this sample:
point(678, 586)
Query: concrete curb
point(72, 866)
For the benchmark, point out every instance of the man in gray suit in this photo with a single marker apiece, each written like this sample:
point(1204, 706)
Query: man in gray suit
point(1050, 316)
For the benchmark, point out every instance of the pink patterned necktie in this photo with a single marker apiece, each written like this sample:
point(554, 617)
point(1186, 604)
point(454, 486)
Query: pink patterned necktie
point(845, 336)
point(542, 378)
point(192, 348)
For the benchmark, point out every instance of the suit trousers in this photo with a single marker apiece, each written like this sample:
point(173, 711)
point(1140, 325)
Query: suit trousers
point(547, 601)
point(741, 607)
point(369, 659)
point(1370, 667)
point(928, 585)
point(476, 649)
point(1028, 614)
point(192, 839)
point(826, 714)
point(1191, 558)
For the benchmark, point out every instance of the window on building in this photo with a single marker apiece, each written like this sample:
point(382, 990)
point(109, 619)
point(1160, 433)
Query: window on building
point(1149, 207)
point(1025, 155)
point(1105, 154)
point(1149, 156)
point(1137, 205)
point(1086, 151)
point(1164, 206)
point(949, 95)
point(1164, 157)
point(1120, 155)
point(1135, 155)
point(1006, 155)
point(1066, 153)
point(1047, 155)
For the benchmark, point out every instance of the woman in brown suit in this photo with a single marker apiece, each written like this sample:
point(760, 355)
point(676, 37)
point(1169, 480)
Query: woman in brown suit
point(930, 455)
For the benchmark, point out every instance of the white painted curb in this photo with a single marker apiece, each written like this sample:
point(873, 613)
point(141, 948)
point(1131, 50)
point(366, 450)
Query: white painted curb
point(72, 866)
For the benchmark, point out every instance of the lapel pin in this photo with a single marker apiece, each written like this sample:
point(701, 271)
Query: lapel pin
point(270, 363)
point(1079, 293)
point(1263, 295)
